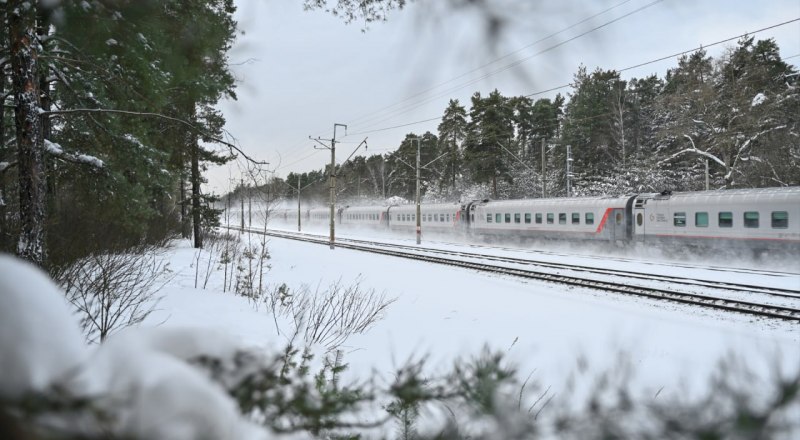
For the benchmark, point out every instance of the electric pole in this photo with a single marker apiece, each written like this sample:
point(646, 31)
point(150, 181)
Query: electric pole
point(544, 169)
point(418, 168)
point(332, 176)
point(419, 219)
point(569, 170)
point(298, 202)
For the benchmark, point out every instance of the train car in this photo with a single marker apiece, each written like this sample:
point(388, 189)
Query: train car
point(751, 220)
point(320, 216)
point(372, 217)
point(755, 219)
point(434, 217)
point(598, 218)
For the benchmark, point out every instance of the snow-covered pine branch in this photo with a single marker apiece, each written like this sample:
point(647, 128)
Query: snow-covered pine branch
point(56, 150)
point(183, 122)
point(694, 150)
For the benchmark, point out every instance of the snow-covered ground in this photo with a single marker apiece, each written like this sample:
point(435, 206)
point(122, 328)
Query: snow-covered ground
point(562, 339)
point(444, 313)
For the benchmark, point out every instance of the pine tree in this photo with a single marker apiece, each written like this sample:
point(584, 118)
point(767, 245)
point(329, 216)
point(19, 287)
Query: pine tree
point(489, 129)
point(452, 132)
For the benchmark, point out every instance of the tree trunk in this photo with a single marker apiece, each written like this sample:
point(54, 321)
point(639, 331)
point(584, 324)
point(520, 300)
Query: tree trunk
point(4, 232)
point(30, 157)
point(186, 229)
point(198, 233)
point(453, 161)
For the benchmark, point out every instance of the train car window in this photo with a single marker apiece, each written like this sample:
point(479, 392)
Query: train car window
point(517, 218)
point(701, 219)
point(549, 218)
point(588, 218)
point(562, 218)
point(679, 219)
point(725, 219)
point(751, 219)
point(527, 217)
point(508, 218)
point(539, 218)
point(441, 218)
point(576, 218)
point(780, 219)
point(436, 217)
point(498, 218)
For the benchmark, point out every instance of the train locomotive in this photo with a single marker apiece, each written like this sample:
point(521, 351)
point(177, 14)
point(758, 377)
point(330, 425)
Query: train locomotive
point(753, 219)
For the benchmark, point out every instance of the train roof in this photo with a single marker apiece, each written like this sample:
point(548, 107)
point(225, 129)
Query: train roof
point(576, 201)
point(425, 206)
point(741, 195)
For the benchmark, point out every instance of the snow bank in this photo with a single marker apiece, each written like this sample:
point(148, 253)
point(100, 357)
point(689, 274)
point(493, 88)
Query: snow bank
point(40, 340)
point(155, 394)
point(141, 378)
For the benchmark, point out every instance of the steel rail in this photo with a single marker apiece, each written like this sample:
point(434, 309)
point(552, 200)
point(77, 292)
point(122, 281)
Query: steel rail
point(727, 304)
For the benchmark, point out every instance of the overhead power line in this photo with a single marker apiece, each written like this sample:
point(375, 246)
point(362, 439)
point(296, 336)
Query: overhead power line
point(553, 89)
point(387, 116)
point(509, 66)
point(702, 46)
point(357, 119)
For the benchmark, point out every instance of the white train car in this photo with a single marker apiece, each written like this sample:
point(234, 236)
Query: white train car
point(320, 215)
point(372, 217)
point(758, 219)
point(435, 217)
point(598, 218)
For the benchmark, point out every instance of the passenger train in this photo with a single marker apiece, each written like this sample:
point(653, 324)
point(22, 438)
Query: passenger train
point(754, 219)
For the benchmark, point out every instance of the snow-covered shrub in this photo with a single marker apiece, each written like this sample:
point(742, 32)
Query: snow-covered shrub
point(111, 291)
point(328, 317)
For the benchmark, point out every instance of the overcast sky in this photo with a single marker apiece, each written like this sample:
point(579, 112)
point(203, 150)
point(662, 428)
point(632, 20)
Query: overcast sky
point(300, 72)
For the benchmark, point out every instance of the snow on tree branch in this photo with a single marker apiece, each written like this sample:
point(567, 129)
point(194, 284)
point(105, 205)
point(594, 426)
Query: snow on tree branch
point(56, 150)
point(188, 124)
point(694, 150)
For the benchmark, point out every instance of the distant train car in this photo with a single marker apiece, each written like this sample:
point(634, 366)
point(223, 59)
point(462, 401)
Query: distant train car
point(599, 218)
point(320, 215)
point(434, 217)
point(754, 219)
point(758, 219)
point(364, 216)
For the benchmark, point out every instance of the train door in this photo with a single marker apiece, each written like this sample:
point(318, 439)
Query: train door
point(617, 224)
point(639, 219)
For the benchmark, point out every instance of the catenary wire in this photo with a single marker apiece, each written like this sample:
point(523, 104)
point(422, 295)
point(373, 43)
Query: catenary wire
point(563, 86)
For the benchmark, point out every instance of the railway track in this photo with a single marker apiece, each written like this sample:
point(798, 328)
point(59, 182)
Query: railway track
point(542, 271)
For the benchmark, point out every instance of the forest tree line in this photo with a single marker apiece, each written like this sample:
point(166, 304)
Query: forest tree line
point(736, 114)
point(108, 117)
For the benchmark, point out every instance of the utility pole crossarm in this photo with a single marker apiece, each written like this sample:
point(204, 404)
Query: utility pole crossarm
point(319, 141)
point(515, 157)
point(434, 160)
point(364, 143)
